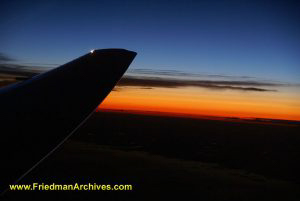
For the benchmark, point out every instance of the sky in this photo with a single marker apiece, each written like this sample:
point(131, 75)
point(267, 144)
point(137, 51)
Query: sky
point(223, 58)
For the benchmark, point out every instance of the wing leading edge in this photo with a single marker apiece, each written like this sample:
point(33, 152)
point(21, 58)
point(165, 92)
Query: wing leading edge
point(39, 114)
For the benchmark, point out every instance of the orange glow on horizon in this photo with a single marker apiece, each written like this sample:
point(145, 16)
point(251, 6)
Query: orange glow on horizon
point(204, 102)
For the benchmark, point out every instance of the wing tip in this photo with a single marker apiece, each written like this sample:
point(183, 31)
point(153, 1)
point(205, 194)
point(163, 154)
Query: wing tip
point(121, 50)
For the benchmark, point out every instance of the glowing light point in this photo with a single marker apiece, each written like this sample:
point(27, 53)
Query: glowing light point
point(92, 51)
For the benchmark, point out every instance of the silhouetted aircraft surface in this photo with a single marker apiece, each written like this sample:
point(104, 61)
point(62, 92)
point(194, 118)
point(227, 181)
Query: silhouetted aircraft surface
point(39, 114)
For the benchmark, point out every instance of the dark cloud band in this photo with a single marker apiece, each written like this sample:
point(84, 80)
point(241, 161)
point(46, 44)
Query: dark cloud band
point(149, 82)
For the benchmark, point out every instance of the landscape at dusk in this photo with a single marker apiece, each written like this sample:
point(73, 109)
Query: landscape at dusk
point(208, 108)
point(243, 55)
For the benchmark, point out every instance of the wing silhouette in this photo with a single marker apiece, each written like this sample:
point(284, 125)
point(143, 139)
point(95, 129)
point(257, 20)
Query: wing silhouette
point(39, 114)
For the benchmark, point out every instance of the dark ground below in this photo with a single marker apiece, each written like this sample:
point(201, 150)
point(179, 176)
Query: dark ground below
point(173, 158)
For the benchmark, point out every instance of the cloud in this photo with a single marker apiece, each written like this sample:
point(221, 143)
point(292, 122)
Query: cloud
point(5, 58)
point(155, 72)
point(11, 67)
point(151, 82)
point(149, 78)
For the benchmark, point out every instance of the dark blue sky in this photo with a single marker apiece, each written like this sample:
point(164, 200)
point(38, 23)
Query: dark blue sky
point(251, 38)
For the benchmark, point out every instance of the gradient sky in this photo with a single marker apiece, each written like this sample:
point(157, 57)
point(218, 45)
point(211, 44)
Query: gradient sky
point(239, 40)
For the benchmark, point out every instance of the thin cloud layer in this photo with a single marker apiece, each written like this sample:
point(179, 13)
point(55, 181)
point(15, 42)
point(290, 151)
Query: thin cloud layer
point(141, 71)
point(152, 82)
point(5, 58)
point(149, 78)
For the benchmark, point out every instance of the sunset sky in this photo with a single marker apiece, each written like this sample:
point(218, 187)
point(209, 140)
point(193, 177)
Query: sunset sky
point(218, 58)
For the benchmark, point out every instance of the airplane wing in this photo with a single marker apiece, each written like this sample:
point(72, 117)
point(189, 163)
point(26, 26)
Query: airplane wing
point(39, 114)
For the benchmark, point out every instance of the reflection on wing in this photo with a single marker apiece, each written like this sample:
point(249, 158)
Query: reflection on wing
point(39, 114)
